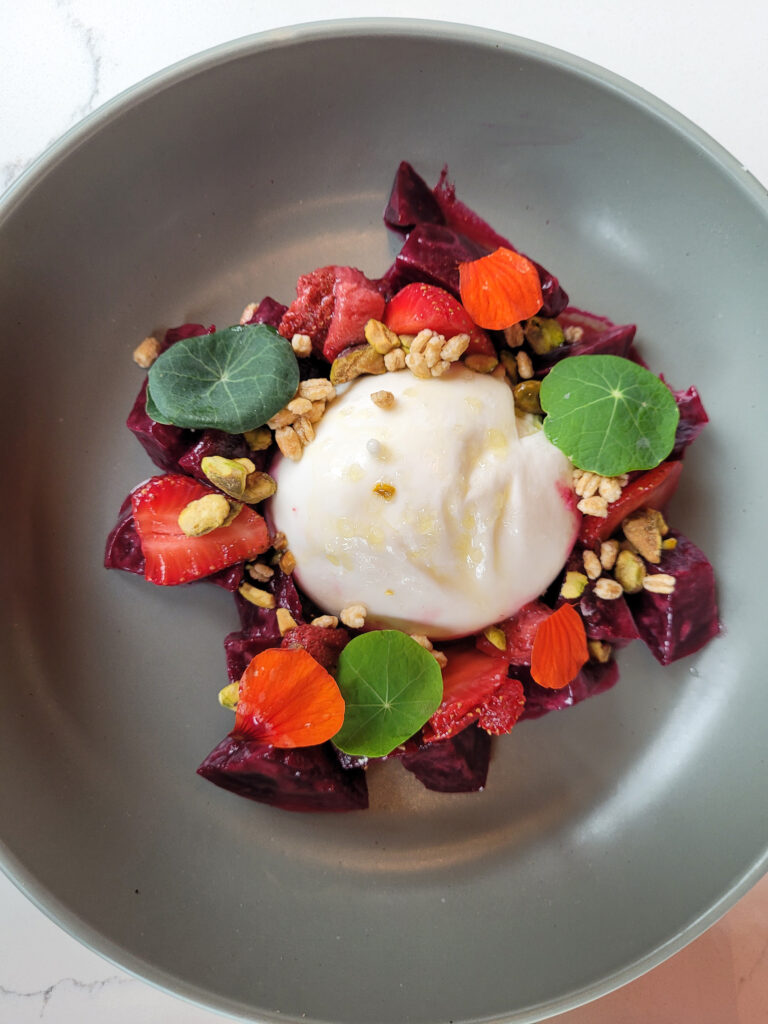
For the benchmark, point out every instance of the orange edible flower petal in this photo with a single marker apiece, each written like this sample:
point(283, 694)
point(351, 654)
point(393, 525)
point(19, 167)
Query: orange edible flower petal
point(287, 699)
point(559, 648)
point(500, 290)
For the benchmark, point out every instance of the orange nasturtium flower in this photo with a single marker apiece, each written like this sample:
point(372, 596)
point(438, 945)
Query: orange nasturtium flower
point(287, 699)
point(559, 648)
point(500, 289)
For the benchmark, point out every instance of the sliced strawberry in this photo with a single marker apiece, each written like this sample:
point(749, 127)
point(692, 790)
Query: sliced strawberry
point(652, 489)
point(324, 644)
point(419, 306)
point(172, 557)
point(332, 305)
point(519, 631)
point(475, 689)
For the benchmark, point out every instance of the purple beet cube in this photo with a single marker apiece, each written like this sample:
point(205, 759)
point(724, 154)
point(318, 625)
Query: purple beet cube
point(456, 765)
point(241, 647)
point(297, 779)
point(595, 677)
point(677, 624)
point(610, 621)
point(269, 311)
point(411, 201)
point(123, 550)
point(183, 331)
point(432, 254)
point(284, 591)
point(466, 222)
point(600, 336)
point(229, 578)
point(693, 419)
point(216, 442)
point(164, 444)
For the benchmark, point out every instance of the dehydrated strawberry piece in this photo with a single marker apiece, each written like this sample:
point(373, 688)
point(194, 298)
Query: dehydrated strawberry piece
point(325, 644)
point(519, 631)
point(332, 305)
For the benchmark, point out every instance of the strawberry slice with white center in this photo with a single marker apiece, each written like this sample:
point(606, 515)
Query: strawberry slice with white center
point(171, 556)
point(475, 689)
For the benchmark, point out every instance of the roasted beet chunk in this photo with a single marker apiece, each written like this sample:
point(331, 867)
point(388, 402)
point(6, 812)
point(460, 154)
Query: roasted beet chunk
point(242, 646)
point(297, 779)
point(679, 623)
point(216, 442)
point(284, 591)
point(595, 677)
point(610, 621)
point(596, 336)
point(163, 443)
point(456, 765)
point(693, 419)
point(461, 218)
point(431, 254)
point(269, 311)
point(411, 201)
point(123, 550)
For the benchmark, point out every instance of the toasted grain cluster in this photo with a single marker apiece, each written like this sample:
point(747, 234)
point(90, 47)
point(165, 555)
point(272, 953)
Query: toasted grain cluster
point(597, 492)
point(620, 567)
point(294, 425)
point(430, 354)
point(426, 643)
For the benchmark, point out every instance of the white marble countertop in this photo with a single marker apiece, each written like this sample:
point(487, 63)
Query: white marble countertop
point(61, 59)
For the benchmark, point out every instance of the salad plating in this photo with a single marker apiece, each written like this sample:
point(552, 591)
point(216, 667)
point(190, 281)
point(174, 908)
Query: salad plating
point(320, 688)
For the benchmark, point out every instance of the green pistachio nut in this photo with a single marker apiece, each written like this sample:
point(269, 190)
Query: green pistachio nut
point(526, 395)
point(543, 335)
point(355, 362)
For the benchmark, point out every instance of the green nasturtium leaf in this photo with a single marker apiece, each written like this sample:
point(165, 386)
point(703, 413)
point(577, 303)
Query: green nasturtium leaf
point(608, 414)
point(233, 380)
point(391, 687)
point(153, 412)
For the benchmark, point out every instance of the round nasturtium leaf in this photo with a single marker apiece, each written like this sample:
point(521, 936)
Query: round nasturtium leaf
point(608, 415)
point(391, 687)
point(233, 380)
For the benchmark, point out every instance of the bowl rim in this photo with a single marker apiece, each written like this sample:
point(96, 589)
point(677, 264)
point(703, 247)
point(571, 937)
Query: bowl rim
point(283, 37)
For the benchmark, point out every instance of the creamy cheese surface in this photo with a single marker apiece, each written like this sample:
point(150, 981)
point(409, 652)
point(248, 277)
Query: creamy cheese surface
point(442, 514)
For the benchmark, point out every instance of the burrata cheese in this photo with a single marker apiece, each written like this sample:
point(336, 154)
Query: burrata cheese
point(442, 514)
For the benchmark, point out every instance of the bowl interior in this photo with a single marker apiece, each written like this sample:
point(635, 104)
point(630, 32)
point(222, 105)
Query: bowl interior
point(608, 834)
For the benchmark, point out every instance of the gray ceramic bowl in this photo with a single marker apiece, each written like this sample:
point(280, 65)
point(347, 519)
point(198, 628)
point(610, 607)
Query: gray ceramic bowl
point(609, 835)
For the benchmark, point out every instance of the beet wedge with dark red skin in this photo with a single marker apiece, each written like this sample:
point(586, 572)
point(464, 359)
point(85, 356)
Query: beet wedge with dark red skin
point(594, 678)
point(675, 625)
point(293, 779)
point(456, 765)
point(433, 256)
